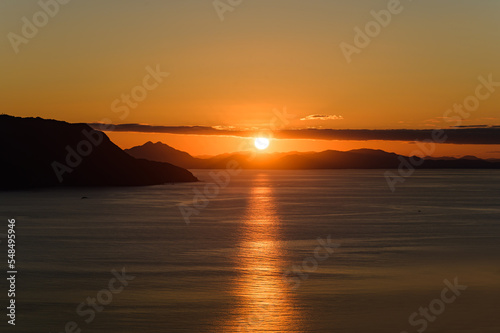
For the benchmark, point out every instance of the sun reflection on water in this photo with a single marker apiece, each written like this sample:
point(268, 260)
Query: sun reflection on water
point(264, 300)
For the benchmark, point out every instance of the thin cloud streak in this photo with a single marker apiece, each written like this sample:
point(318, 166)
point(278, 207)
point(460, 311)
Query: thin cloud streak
point(322, 117)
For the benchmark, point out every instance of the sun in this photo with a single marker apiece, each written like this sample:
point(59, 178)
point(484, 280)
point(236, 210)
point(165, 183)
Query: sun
point(261, 143)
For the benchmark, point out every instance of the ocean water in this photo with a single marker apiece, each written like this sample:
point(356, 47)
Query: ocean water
point(258, 255)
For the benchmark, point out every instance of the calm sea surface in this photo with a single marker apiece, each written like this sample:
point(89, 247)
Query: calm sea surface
point(251, 261)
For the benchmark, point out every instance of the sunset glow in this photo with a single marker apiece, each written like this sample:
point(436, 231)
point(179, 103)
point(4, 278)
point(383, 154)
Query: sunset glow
point(250, 166)
point(232, 73)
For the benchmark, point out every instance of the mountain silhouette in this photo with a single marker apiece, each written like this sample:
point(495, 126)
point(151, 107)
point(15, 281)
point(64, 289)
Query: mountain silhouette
point(37, 152)
point(163, 153)
point(329, 159)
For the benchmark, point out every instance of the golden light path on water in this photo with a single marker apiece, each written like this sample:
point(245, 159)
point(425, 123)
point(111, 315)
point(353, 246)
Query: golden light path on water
point(264, 299)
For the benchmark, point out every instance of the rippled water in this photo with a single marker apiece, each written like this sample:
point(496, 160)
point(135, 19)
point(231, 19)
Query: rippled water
point(232, 268)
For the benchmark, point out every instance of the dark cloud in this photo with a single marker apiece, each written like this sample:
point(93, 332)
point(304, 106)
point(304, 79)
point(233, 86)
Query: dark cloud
point(483, 135)
point(473, 126)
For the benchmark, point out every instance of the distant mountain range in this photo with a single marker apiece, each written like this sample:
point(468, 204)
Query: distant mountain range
point(329, 159)
point(36, 152)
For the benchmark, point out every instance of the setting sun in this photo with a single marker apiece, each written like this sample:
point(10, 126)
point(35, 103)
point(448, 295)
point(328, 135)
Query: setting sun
point(261, 143)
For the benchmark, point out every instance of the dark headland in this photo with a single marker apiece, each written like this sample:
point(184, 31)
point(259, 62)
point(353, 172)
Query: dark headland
point(36, 152)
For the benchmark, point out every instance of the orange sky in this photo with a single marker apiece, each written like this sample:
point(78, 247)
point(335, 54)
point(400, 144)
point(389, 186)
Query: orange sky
point(264, 55)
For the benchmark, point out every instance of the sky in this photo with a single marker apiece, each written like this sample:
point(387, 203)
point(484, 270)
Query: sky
point(191, 63)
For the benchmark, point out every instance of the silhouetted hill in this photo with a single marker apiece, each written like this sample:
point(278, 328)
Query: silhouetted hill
point(329, 159)
point(163, 153)
point(37, 152)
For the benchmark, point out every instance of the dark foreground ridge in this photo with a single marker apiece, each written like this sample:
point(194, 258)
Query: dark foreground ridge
point(36, 152)
point(329, 159)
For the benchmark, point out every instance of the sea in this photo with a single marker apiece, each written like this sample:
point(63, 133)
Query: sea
point(258, 251)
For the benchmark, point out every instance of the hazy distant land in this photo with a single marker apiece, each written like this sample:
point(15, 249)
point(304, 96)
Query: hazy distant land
point(329, 159)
